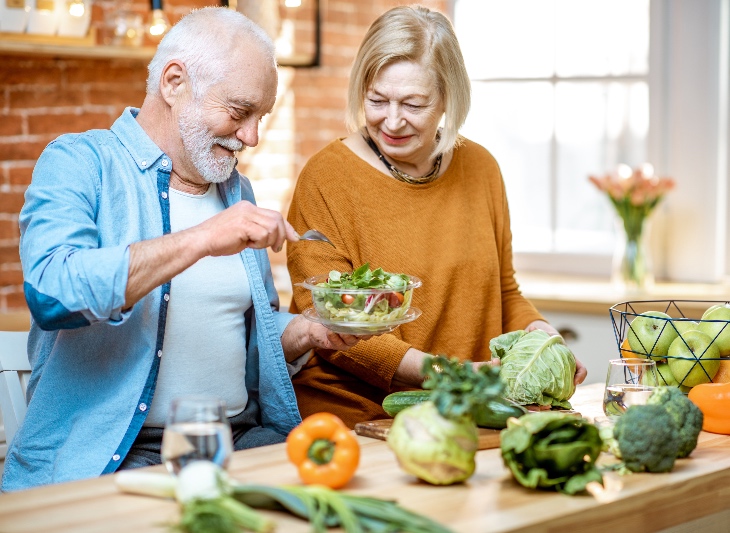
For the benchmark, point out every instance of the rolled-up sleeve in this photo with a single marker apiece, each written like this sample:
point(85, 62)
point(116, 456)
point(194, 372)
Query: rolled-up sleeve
point(70, 280)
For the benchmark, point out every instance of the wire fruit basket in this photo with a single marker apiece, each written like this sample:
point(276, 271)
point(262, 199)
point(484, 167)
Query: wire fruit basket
point(688, 339)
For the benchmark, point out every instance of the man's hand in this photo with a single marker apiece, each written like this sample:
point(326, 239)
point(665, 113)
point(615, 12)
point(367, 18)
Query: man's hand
point(301, 335)
point(244, 225)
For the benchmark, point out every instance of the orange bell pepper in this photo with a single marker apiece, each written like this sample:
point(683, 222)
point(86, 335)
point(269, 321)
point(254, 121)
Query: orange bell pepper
point(713, 399)
point(324, 451)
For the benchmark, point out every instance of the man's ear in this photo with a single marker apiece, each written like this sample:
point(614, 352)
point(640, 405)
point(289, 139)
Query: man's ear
point(174, 82)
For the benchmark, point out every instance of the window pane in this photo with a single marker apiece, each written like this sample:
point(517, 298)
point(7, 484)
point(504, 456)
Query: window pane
point(601, 37)
point(505, 39)
point(589, 114)
point(598, 126)
point(515, 123)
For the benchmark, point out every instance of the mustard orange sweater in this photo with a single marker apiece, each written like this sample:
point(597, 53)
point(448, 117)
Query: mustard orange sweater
point(453, 233)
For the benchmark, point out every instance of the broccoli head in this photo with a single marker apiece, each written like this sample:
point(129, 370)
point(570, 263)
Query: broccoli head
point(647, 438)
point(687, 416)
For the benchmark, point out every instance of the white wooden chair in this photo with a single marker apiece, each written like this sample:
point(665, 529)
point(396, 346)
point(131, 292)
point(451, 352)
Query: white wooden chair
point(14, 375)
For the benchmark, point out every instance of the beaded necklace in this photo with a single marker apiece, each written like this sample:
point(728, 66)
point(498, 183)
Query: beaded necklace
point(402, 176)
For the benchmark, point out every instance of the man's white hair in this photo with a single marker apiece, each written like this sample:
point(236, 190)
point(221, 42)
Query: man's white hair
point(205, 41)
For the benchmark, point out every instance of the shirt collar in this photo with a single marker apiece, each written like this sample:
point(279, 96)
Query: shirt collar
point(139, 145)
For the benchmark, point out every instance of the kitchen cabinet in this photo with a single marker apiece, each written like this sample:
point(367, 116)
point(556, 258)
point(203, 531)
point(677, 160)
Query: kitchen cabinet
point(590, 337)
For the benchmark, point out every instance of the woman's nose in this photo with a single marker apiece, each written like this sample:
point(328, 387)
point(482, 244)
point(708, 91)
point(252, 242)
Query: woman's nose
point(394, 118)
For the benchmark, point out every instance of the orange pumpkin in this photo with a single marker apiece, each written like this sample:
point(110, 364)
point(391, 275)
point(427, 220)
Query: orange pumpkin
point(713, 399)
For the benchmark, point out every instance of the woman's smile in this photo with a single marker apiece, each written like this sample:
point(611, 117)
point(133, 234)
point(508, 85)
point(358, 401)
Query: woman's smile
point(395, 140)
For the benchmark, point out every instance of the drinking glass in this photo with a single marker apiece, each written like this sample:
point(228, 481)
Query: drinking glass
point(197, 429)
point(629, 382)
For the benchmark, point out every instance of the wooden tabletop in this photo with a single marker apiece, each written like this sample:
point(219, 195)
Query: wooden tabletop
point(489, 502)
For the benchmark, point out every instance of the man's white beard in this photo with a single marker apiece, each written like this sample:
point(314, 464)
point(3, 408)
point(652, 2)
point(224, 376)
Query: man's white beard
point(199, 141)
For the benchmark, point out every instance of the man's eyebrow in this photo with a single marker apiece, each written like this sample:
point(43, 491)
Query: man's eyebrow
point(240, 103)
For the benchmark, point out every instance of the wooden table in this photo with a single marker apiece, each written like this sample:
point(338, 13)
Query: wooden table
point(489, 502)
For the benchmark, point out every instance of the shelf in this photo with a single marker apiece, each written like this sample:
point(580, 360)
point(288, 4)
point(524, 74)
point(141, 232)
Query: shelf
point(573, 294)
point(54, 46)
point(22, 44)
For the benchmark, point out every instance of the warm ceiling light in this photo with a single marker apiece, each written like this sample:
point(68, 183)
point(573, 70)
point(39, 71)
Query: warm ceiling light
point(76, 8)
point(292, 3)
point(159, 23)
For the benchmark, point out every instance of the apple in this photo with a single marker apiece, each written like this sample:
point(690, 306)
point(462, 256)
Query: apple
point(651, 333)
point(665, 375)
point(683, 326)
point(693, 358)
point(718, 330)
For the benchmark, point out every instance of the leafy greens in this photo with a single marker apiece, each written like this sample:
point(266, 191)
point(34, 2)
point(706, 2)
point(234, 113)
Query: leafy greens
point(364, 278)
point(363, 296)
point(537, 368)
point(552, 450)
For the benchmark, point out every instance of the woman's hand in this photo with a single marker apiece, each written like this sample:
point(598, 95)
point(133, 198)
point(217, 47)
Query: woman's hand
point(580, 371)
point(301, 335)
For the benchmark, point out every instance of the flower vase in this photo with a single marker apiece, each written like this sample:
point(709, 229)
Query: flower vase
point(632, 265)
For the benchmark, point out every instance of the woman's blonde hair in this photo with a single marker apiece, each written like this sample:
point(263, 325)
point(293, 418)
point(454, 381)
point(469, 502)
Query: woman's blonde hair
point(413, 33)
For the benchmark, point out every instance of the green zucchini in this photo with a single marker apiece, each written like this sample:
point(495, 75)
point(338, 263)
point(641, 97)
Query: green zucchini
point(394, 403)
point(493, 414)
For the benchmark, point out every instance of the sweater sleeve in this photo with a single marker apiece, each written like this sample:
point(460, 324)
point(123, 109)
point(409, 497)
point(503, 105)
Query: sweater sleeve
point(320, 202)
point(517, 311)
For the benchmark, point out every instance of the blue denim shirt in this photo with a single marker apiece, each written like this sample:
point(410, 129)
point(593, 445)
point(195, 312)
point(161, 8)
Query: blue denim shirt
point(94, 365)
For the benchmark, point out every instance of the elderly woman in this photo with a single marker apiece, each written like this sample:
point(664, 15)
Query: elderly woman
point(406, 195)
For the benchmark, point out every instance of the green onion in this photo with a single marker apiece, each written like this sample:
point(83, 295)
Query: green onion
point(325, 507)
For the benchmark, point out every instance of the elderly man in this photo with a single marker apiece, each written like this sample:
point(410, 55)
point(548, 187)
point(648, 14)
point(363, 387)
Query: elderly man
point(146, 271)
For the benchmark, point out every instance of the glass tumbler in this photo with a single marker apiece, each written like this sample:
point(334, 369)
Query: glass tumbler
point(629, 382)
point(197, 429)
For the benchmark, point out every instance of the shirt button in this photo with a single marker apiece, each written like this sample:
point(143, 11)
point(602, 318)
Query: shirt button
point(165, 162)
point(164, 195)
point(167, 297)
point(143, 407)
point(115, 457)
point(144, 163)
point(159, 353)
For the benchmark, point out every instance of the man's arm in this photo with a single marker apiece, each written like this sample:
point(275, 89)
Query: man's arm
point(243, 225)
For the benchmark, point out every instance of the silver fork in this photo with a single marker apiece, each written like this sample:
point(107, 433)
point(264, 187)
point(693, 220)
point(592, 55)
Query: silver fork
point(314, 235)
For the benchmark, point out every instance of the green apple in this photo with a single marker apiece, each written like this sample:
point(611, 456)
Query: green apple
point(651, 333)
point(665, 375)
point(683, 326)
point(716, 323)
point(693, 358)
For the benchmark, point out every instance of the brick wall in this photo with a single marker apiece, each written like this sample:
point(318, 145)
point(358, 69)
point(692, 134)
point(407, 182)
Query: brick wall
point(41, 98)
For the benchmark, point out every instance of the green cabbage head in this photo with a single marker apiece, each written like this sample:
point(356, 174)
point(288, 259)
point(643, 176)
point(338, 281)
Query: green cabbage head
point(433, 448)
point(536, 368)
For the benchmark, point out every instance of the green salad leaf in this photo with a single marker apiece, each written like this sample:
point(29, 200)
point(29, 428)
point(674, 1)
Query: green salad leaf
point(364, 278)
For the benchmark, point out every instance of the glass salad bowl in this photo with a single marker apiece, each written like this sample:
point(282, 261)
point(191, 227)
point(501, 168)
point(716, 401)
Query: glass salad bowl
point(363, 302)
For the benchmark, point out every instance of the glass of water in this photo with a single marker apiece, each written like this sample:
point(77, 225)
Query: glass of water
point(197, 429)
point(629, 382)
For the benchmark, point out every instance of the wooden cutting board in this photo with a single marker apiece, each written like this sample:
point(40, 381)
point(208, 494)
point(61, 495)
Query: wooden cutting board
point(378, 429)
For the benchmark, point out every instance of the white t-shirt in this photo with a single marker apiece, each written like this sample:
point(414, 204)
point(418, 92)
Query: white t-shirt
point(204, 350)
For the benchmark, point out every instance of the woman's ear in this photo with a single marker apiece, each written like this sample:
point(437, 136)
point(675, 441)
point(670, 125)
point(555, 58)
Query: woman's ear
point(174, 82)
